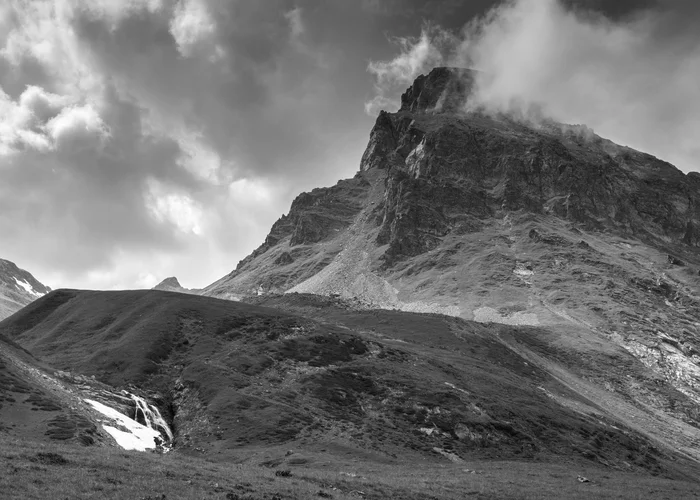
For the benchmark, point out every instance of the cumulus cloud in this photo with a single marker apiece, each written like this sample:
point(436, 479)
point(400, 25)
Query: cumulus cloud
point(632, 78)
point(175, 208)
point(191, 25)
point(77, 127)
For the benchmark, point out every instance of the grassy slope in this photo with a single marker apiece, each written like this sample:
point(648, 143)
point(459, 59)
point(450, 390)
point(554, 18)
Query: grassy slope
point(121, 336)
point(375, 384)
point(29, 408)
point(605, 294)
point(32, 470)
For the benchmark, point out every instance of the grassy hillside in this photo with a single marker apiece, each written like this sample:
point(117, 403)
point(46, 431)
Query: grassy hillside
point(371, 384)
point(29, 405)
point(122, 337)
point(36, 471)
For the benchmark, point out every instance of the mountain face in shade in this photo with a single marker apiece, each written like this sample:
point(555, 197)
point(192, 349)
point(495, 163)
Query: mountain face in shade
point(520, 221)
point(17, 288)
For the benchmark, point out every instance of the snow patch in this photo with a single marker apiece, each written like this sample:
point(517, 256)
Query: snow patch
point(135, 437)
point(27, 287)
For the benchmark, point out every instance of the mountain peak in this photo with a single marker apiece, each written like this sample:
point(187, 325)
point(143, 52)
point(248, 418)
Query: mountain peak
point(170, 282)
point(443, 89)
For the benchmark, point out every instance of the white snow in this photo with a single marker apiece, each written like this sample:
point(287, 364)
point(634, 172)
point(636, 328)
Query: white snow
point(136, 437)
point(27, 287)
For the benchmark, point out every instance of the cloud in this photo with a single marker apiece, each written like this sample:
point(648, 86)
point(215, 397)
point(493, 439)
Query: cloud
point(631, 78)
point(77, 127)
point(296, 25)
point(146, 138)
point(175, 208)
point(191, 25)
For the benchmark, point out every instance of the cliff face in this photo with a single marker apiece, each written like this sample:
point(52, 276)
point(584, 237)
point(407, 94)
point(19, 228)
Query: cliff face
point(446, 167)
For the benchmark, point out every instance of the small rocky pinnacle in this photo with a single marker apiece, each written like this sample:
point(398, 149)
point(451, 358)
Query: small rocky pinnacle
point(443, 89)
point(171, 282)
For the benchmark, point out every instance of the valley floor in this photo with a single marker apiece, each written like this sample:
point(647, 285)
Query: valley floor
point(31, 470)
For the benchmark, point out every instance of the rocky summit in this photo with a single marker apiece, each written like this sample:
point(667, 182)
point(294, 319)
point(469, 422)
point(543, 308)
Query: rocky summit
point(517, 220)
point(17, 288)
point(173, 285)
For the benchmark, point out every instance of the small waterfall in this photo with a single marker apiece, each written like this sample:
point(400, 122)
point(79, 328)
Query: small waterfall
point(150, 416)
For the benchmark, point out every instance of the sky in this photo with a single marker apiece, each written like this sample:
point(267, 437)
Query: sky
point(141, 139)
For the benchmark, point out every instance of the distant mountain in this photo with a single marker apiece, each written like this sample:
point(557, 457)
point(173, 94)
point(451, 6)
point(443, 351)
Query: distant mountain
point(173, 285)
point(17, 288)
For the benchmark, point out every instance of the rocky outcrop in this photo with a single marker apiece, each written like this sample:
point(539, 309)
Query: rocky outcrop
point(444, 164)
point(173, 285)
point(442, 90)
point(440, 168)
point(168, 284)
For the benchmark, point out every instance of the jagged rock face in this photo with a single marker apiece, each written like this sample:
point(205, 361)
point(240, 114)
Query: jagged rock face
point(17, 288)
point(443, 90)
point(444, 165)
